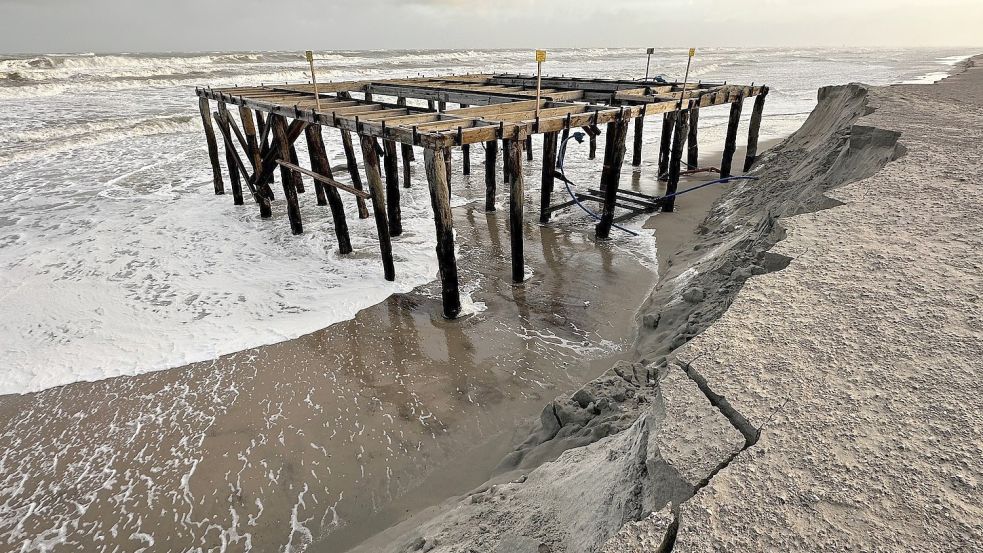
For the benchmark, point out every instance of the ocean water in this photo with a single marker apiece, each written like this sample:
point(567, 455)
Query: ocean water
point(116, 258)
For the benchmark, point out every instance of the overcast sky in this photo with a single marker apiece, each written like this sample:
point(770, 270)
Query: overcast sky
point(194, 25)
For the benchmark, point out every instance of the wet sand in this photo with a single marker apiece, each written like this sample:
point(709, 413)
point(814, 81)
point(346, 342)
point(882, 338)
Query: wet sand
point(338, 434)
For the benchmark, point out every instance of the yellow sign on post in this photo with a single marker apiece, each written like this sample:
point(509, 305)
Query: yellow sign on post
point(540, 56)
point(310, 56)
point(692, 52)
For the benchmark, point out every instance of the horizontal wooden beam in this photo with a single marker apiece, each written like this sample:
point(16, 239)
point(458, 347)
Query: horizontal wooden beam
point(326, 180)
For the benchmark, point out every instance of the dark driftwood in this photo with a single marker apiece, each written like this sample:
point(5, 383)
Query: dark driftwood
point(287, 176)
point(444, 223)
point(676, 159)
point(491, 152)
point(636, 151)
point(407, 151)
point(692, 143)
point(549, 175)
point(346, 142)
point(614, 158)
point(225, 122)
point(374, 176)
point(516, 199)
point(206, 121)
point(391, 163)
point(665, 144)
point(730, 143)
point(321, 165)
point(754, 129)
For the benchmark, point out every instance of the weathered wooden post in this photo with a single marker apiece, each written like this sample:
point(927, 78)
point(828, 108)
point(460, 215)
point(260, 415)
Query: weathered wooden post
point(447, 168)
point(754, 129)
point(730, 143)
point(392, 188)
point(466, 159)
point(321, 165)
point(506, 162)
point(279, 125)
point(676, 159)
point(374, 175)
point(206, 121)
point(549, 174)
point(407, 151)
point(444, 223)
point(252, 142)
point(614, 158)
point(230, 156)
point(516, 199)
point(592, 145)
point(491, 152)
point(692, 143)
point(636, 151)
point(665, 145)
point(529, 148)
point(313, 135)
point(299, 182)
point(346, 142)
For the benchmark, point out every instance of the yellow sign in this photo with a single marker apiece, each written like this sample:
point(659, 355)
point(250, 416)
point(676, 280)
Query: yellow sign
point(310, 56)
point(692, 52)
point(540, 56)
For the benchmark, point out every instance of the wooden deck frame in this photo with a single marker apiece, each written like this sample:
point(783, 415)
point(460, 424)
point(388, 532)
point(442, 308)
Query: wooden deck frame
point(492, 108)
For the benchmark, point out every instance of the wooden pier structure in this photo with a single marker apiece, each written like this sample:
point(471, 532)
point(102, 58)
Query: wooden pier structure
point(500, 111)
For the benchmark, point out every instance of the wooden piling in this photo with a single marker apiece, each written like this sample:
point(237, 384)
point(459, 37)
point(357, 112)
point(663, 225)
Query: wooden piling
point(529, 148)
point(252, 143)
point(549, 174)
point(287, 176)
point(206, 120)
point(293, 159)
point(491, 152)
point(321, 165)
point(506, 162)
point(373, 175)
point(346, 141)
point(444, 224)
point(692, 143)
point(313, 135)
point(447, 168)
point(592, 145)
point(636, 152)
point(466, 159)
point(230, 156)
point(730, 143)
point(516, 199)
point(665, 144)
point(407, 151)
point(614, 158)
point(676, 159)
point(391, 164)
point(754, 129)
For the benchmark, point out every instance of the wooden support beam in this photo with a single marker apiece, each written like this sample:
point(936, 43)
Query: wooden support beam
point(267, 166)
point(391, 163)
point(235, 162)
point(466, 159)
point(636, 152)
point(549, 175)
point(491, 152)
point(614, 158)
point(252, 141)
point(321, 165)
point(692, 143)
point(293, 159)
point(516, 199)
point(506, 162)
point(346, 141)
point(754, 129)
point(730, 143)
point(592, 145)
point(374, 177)
point(324, 179)
point(206, 121)
point(676, 159)
point(665, 144)
point(315, 146)
point(444, 224)
point(224, 120)
point(407, 152)
point(529, 148)
point(279, 124)
point(448, 168)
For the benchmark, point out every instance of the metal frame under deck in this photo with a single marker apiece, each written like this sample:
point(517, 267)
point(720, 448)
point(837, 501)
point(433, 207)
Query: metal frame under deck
point(500, 107)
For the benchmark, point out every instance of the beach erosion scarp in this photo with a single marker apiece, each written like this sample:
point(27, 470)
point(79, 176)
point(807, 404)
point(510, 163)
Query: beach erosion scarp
point(808, 368)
